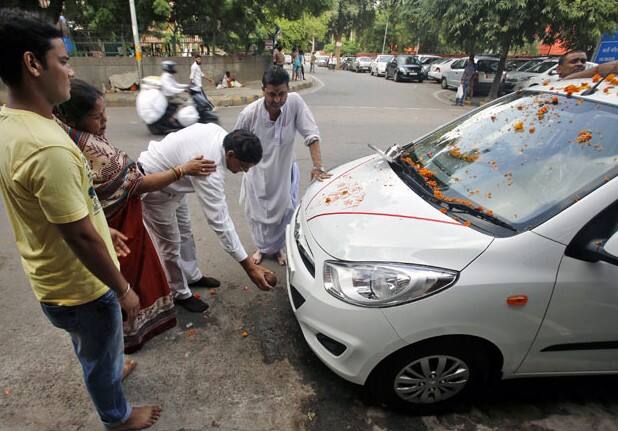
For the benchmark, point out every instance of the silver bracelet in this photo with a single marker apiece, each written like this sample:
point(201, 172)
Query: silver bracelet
point(126, 292)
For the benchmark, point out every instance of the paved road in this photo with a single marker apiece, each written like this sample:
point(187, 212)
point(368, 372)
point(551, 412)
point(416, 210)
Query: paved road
point(211, 377)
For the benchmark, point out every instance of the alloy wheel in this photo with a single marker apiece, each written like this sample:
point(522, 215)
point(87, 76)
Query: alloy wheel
point(431, 379)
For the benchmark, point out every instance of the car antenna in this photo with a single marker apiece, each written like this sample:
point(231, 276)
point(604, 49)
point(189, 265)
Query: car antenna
point(390, 154)
point(591, 90)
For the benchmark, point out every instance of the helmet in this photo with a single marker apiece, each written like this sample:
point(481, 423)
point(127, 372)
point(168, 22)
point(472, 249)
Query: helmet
point(168, 66)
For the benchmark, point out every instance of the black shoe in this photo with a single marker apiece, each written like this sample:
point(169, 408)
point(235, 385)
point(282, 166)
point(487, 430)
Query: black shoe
point(192, 304)
point(206, 282)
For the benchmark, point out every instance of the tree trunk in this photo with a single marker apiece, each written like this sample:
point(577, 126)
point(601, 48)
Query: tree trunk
point(337, 50)
point(504, 52)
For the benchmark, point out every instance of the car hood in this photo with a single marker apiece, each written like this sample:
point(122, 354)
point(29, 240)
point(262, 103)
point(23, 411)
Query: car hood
point(366, 212)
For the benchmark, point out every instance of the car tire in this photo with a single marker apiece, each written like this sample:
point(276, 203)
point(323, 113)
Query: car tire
point(408, 381)
point(386, 75)
point(420, 80)
point(396, 78)
point(443, 83)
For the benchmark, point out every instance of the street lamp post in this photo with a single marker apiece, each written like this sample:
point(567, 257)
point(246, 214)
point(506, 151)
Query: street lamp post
point(138, 46)
point(385, 30)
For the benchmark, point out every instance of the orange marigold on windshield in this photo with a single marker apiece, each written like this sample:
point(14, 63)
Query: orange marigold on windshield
point(570, 89)
point(518, 126)
point(596, 78)
point(611, 78)
point(541, 112)
point(554, 100)
point(584, 136)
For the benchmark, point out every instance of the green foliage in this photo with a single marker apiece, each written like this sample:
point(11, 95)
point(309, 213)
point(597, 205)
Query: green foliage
point(301, 32)
point(348, 47)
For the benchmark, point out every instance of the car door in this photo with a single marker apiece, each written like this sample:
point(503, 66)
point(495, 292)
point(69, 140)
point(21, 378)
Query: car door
point(453, 76)
point(580, 330)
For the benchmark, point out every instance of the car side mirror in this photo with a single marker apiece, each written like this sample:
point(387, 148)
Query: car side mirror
point(605, 250)
point(553, 72)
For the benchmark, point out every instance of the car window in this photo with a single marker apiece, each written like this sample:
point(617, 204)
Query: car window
point(459, 64)
point(543, 67)
point(407, 60)
point(384, 58)
point(525, 158)
point(487, 66)
point(529, 65)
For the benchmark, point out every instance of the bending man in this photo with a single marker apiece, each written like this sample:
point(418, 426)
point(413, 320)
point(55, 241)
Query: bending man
point(166, 212)
point(269, 193)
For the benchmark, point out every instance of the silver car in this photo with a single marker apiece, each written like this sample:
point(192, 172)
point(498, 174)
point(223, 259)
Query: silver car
point(378, 65)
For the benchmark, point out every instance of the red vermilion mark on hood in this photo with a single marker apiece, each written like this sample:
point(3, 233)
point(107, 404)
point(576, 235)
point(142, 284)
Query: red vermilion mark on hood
point(384, 215)
point(330, 180)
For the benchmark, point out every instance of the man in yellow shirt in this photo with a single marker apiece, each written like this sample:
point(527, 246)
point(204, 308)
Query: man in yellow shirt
point(60, 229)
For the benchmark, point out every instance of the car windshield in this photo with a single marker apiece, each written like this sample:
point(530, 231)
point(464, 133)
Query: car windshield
point(515, 64)
point(543, 67)
point(529, 65)
point(364, 59)
point(407, 60)
point(516, 163)
point(383, 58)
point(429, 60)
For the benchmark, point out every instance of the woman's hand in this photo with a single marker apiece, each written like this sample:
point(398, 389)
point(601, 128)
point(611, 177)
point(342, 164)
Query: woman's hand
point(118, 239)
point(198, 166)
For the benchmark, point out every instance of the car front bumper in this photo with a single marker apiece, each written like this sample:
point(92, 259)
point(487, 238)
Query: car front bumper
point(350, 340)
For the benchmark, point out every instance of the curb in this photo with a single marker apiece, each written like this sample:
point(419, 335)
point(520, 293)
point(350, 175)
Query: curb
point(128, 98)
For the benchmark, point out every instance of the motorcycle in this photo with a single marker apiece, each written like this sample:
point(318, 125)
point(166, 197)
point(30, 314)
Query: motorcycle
point(163, 116)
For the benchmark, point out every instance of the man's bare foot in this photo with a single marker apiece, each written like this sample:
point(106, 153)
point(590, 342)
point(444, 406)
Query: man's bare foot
point(141, 417)
point(129, 366)
point(257, 257)
point(281, 259)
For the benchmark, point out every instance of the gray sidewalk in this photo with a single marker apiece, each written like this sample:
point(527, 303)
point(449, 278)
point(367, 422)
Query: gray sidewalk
point(223, 97)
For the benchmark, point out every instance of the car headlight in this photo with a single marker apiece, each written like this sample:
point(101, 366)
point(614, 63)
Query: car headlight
point(376, 284)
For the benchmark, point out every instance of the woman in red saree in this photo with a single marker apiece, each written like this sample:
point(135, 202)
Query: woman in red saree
point(119, 182)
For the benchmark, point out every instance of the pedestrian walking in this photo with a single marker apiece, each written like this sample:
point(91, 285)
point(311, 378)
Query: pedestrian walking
point(278, 56)
point(312, 62)
point(195, 77)
point(467, 81)
point(166, 212)
point(301, 72)
point(269, 192)
point(59, 225)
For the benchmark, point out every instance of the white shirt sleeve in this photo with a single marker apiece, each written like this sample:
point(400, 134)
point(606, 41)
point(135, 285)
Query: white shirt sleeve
point(169, 86)
point(211, 195)
point(305, 123)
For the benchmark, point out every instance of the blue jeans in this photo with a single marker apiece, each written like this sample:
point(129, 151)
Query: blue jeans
point(96, 332)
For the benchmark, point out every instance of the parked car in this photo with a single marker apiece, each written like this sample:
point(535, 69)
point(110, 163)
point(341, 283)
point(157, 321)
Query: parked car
point(549, 75)
point(479, 251)
point(517, 80)
point(361, 64)
point(515, 63)
point(346, 63)
point(486, 68)
point(322, 60)
point(378, 65)
point(438, 68)
point(404, 67)
point(426, 61)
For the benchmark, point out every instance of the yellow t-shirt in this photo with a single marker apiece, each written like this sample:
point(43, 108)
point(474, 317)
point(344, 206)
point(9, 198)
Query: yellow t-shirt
point(45, 180)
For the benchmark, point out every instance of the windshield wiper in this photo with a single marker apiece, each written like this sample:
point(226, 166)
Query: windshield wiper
point(390, 154)
point(462, 208)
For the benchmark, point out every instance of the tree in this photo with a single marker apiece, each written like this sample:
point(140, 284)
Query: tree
point(348, 15)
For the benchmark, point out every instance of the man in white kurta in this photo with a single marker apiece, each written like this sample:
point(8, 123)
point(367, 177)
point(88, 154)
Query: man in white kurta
point(269, 192)
point(166, 212)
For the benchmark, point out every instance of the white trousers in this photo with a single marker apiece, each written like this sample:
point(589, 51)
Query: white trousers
point(168, 220)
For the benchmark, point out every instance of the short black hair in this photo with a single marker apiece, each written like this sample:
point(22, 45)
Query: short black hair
point(245, 145)
point(562, 58)
point(275, 75)
point(84, 97)
point(20, 32)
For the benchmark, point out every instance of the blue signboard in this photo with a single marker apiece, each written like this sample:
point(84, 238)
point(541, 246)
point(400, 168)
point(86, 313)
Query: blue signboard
point(608, 49)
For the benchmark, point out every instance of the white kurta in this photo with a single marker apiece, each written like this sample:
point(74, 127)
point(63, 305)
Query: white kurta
point(179, 147)
point(266, 189)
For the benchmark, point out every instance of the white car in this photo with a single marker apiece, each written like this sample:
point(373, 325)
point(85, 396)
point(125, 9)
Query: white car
point(485, 249)
point(378, 65)
point(361, 64)
point(438, 68)
point(486, 68)
point(550, 74)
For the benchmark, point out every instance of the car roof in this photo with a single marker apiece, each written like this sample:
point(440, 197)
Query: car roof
point(559, 87)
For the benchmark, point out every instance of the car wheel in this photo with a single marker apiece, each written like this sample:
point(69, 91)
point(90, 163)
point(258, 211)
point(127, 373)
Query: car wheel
point(443, 83)
point(432, 377)
point(420, 80)
point(386, 75)
point(396, 77)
